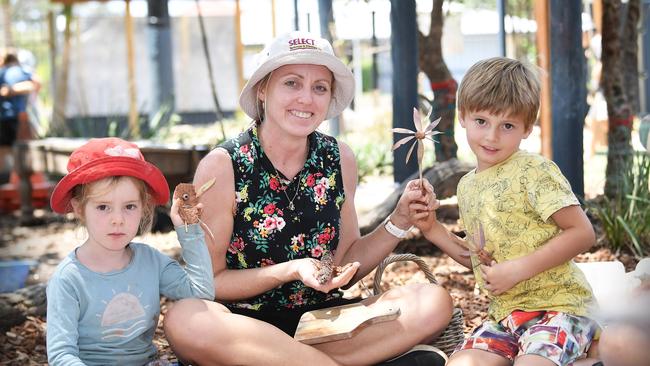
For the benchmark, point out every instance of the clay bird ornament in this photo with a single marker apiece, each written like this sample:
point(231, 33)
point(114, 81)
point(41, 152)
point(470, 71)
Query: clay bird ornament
point(189, 210)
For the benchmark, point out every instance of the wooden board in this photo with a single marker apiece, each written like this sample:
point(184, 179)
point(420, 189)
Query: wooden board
point(340, 322)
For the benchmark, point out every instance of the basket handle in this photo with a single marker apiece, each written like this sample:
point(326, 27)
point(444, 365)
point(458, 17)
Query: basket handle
point(397, 258)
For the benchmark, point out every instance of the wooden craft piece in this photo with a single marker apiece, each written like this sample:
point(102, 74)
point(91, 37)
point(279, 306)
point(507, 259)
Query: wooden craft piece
point(341, 322)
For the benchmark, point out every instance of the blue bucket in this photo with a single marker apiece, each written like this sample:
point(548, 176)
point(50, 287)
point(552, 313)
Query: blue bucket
point(14, 273)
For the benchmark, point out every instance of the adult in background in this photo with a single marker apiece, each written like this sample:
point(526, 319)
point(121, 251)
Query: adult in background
point(16, 84)
point(284, 199)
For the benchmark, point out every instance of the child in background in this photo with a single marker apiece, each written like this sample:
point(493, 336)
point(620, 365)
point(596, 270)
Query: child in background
point(104, 298)
point(524, 226)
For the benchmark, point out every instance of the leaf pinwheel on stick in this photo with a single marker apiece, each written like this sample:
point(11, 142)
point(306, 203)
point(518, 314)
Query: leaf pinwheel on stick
point(419, 135)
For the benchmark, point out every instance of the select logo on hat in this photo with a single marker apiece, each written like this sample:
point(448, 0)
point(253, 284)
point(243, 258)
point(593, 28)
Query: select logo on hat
point(302, 44)
point(299, 48)
point(107, 157)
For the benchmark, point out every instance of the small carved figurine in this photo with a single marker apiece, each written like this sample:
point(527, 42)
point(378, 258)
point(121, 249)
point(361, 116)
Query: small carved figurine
point(476, 244)
point(327, 269)
point(324, 273)
point(188, 210)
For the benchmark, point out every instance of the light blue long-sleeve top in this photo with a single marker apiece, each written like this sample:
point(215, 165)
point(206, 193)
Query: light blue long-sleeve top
point(110, 318)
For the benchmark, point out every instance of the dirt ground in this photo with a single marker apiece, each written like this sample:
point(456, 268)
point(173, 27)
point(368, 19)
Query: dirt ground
point(54, 237)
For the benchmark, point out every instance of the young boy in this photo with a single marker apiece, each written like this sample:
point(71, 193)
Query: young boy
point(524, 226)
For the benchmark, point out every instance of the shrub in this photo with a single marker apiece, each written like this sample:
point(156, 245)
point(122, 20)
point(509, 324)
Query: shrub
point(626, 217)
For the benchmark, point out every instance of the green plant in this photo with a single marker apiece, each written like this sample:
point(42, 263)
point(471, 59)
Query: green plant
point(161, 123)
point(372, 159)
point(626, 217)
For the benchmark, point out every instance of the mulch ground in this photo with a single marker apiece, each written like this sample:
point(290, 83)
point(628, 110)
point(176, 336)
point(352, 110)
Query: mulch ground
point(25, 344)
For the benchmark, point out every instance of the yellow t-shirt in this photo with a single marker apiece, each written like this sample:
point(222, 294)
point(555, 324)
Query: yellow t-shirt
point(513, 202)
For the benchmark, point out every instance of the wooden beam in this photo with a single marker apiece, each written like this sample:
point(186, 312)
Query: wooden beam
point(239, 47)
point(134, 125)
point(70, 2)
point(544, 62)
point(597, 15)
point(273, 26)
point(8, 35)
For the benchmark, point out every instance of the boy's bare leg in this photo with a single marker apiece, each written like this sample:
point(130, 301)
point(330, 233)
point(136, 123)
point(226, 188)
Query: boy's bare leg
point(476, 357)
point(533, 360)
point(6, 161)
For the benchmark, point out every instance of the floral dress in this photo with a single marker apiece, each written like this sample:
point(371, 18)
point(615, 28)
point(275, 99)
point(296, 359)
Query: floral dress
point(278, 219)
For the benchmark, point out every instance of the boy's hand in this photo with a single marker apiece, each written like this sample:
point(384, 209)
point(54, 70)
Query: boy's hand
point(501, 277)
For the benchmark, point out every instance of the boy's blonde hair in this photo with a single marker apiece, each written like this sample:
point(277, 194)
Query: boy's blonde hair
point(84, 192)
point(501, 86)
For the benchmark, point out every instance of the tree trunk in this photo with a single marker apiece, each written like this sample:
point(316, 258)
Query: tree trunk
point(443, 177)
point(16, 306)
point(442, 83)
point(630, 52)
point(616, 43)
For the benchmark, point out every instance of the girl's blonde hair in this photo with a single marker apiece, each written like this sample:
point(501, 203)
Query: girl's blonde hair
point(501, 86)
point(84, 192)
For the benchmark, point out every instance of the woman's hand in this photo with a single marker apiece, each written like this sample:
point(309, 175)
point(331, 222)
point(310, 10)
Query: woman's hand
point(419, 194)
point(421, 204)
point(307, 273)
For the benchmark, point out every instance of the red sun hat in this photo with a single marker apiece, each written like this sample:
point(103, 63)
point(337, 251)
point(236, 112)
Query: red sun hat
point(105, 157)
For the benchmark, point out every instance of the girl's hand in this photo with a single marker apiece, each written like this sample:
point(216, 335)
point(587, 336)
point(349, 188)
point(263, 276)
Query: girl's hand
point(307, 273)
point(500, 277)
point(173, 212)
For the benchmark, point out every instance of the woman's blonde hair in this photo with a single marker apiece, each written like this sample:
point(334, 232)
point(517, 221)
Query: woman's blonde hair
point(501, 86)
point(84, 192)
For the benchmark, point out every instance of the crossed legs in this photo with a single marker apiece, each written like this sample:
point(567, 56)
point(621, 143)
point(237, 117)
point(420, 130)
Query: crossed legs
point(207, 333)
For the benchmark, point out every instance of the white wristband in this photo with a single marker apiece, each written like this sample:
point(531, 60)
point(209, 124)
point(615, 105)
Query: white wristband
point(394, 230)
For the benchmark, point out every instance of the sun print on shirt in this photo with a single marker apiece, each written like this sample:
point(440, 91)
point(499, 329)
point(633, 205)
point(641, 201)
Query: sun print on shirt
point(123, 316)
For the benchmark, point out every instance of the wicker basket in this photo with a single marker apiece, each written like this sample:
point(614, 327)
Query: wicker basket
point(453, 334)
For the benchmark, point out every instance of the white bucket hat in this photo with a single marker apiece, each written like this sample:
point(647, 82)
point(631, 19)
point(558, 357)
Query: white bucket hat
point(299, 48)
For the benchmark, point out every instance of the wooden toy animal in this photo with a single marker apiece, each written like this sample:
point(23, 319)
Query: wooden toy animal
point(188, 210)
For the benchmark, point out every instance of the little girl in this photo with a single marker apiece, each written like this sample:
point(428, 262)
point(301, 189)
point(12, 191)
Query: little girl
point(104, 298)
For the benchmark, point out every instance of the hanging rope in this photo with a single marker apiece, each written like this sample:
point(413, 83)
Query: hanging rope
point(213, 87)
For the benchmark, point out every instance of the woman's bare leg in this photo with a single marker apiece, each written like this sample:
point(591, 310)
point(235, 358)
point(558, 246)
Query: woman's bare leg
point(207, 333)
point(425, 312)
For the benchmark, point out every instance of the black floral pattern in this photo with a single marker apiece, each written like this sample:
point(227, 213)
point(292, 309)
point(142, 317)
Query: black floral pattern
point(266, 231)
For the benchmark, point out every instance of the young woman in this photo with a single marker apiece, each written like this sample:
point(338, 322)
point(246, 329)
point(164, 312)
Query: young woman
point(287, 200)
